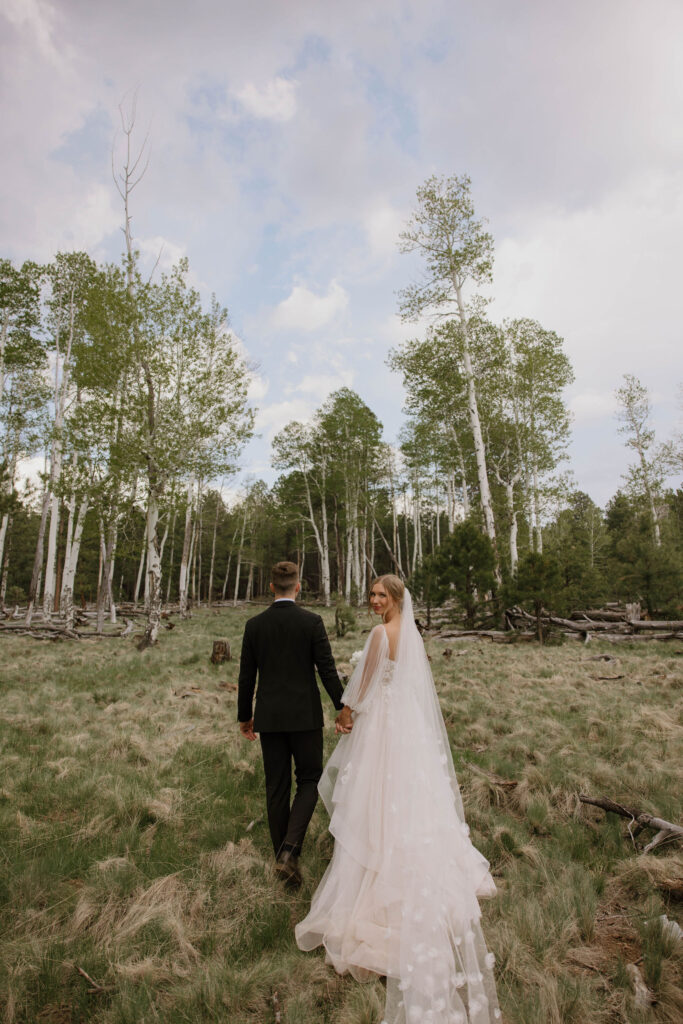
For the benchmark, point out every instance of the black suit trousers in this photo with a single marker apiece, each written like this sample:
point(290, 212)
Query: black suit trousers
point(287, 823)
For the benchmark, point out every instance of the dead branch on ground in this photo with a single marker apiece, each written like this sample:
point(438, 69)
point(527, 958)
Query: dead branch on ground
point(666, 830)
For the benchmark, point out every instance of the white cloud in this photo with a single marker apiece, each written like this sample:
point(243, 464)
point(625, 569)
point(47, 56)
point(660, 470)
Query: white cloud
point(38, 17)
point(605, 277)
point(592, 405)
point(161, 251)
point(258, 387)
point(304, 310)
point(273, 101)
point(273, 418)
point(95, 218)
point(321, 384)
point(383, 225)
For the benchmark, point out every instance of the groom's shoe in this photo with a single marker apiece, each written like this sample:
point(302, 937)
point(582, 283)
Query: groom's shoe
point(287, 868)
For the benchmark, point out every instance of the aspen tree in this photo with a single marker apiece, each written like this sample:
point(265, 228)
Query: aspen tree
point(456, 251)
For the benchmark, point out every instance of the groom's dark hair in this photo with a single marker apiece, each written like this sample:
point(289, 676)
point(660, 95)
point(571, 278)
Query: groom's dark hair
point(284, 576)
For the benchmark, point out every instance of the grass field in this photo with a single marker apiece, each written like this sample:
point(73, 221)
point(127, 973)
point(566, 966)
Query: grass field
point(134, 846)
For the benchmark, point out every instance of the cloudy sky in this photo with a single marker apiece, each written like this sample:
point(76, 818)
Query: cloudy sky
point(287, 140)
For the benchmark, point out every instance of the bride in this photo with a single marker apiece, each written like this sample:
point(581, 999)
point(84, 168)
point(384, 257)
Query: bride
point(399, 897)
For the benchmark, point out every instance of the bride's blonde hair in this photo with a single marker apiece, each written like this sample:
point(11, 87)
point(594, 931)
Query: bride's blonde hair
point(394, 587)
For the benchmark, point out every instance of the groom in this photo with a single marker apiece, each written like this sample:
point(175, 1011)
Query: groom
point(283, 646)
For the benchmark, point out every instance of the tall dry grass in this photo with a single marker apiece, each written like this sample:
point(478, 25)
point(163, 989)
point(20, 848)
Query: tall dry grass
point(135, 847)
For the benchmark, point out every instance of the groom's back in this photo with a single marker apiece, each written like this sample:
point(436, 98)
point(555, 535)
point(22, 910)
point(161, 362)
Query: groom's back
point(283, 645)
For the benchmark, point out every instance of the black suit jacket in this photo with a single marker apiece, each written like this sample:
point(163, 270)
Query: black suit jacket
point(284, 645)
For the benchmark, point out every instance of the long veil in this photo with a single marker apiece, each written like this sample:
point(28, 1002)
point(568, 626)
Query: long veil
point(399, 897)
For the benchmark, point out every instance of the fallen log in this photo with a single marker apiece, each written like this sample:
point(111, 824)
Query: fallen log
point(496, 635)
point(587, 625)
point(666, 830)
point(640, 629)
point(598, 614)
point(674, 626)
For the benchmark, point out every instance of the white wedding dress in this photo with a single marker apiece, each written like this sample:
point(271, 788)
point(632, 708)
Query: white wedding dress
point(399, 897)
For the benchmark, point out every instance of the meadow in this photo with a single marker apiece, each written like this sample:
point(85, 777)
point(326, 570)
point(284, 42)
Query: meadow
point(136, 882)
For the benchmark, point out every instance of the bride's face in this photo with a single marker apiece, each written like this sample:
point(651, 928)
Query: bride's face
point(380, 601)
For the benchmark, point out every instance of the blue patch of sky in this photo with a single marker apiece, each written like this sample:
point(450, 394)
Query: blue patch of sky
point(314, 49)
point(393, 110)
point(88, 148)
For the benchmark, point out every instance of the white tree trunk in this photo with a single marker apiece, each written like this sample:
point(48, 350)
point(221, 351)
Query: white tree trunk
point(396, 535)
point(185, 558)
point(105, 594)
point(34, 588)
point(363, 555)
point(61, 389)
point(302, 562)
point(4, 567)
point(355, 536)
point(50, 563)
point(475, 424)
point(67, 595)
point(209, 596)
point(227, 568)
point(512, 511)
point(324, 553)
point(114, 530)
point(239, 557)
point(349, 564)
point(3, 535)
point(320, 535)
point(650, 497)
point(538, 535)
point(372, 550)
point(170, 563)
point(4, 525)
point(153, 571)
point(71, 515)
point(141, 567)
point(198, 542)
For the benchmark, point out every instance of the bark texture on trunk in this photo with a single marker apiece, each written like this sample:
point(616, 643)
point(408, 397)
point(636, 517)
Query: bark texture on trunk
point(38, 560)
point(70, 564)
point(185, 558)
point(153, 572)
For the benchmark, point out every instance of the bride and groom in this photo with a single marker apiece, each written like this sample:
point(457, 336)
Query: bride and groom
point(399, 897)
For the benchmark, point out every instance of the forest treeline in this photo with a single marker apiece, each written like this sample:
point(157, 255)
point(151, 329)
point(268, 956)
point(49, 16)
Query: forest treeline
point(133, 393)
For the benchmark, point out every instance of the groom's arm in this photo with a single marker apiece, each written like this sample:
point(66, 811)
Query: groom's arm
point(324, 662)
point(247, 680)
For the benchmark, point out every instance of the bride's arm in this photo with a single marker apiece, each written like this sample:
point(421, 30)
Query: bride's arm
point(367, 672)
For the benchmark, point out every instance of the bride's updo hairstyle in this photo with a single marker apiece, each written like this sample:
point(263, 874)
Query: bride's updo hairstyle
point(394, 587)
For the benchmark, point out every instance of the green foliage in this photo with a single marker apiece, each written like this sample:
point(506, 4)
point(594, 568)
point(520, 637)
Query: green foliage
point(578, 541)
point(536, 585)
point(463, 566)
point(639, 568)
point(454, 245)
point(344, 619)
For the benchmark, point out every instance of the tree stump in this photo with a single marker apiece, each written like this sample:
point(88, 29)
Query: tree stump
point(633, 612)
point(221, 652)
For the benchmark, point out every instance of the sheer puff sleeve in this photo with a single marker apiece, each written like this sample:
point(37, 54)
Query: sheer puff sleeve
point(363, 682)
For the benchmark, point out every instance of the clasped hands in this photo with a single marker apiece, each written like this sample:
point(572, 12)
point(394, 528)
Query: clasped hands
point(343, 722)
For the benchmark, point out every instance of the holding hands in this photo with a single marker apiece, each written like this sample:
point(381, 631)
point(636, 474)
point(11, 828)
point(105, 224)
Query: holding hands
point(343, 722)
